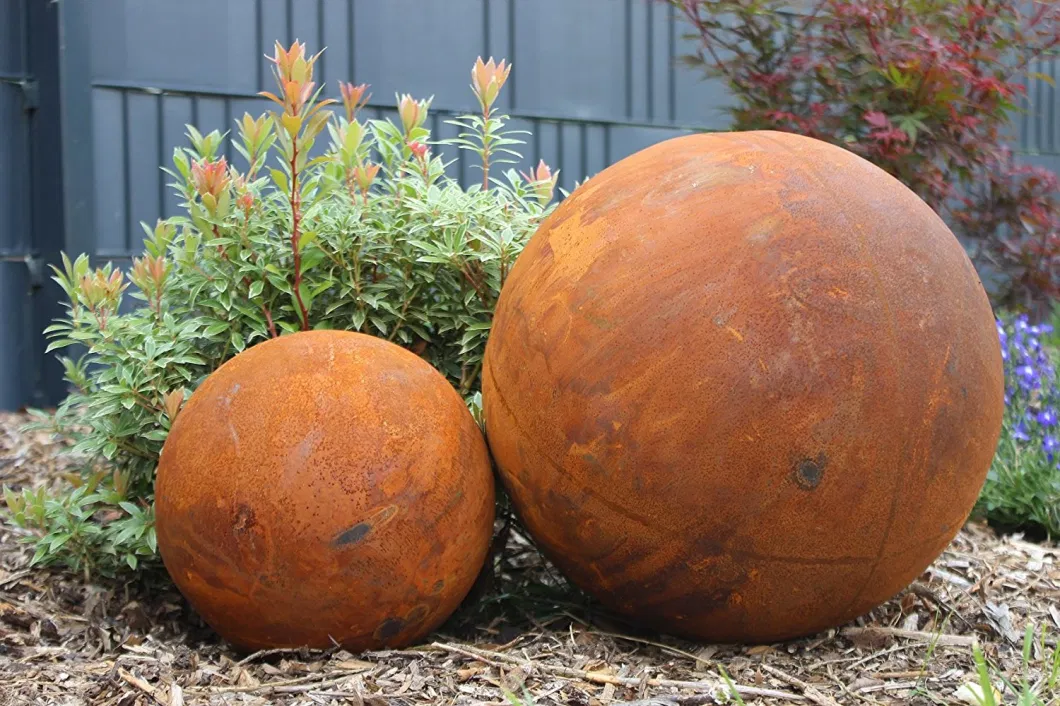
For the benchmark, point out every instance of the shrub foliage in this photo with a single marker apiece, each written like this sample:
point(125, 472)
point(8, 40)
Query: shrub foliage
point(925, 89)
point(368, 235)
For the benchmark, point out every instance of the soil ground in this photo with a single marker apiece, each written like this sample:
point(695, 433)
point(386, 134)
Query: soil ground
point(64, 641)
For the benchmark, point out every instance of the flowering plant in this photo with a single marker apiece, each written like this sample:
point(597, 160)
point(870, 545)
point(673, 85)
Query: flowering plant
point(1022, 489)
point(369, 235)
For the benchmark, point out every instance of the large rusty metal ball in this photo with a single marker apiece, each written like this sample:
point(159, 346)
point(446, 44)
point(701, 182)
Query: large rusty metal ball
point(324, 486)
point(743, 387)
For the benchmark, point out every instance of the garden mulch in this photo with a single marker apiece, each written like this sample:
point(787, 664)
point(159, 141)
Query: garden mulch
point(67, 641)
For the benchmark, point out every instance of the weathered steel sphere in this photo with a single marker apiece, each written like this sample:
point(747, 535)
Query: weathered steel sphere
point(743, 387)
point(324, 486)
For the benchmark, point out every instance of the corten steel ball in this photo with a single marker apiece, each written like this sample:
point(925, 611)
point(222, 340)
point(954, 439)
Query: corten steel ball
point(743, 387)
point(324, 486)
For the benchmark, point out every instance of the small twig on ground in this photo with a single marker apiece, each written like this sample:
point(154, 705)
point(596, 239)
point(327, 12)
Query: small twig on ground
point(266, 653)
point(302, 688)
point(843, 687)
point(286, 686)
point(908, 674)
point(17, 576)
point(808, 690)
point(498, 659)
point(927, 594)
point(640, 640)
point(353, 696)
point(869, 658)
point(382, 655)
point(950, 577)
point(813, 667)
point(142, 685)
point(696, 700)
point(891, 686)
point(941, 639)
point(42, 652)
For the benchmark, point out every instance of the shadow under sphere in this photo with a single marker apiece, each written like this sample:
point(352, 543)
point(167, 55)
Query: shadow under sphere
point(743, 387)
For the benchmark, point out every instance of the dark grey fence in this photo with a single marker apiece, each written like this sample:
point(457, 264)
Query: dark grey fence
point(31, 214)
point(593, 80)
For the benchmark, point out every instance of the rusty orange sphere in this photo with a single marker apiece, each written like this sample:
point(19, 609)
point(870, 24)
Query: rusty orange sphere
point(324, 486)
point(743, 387)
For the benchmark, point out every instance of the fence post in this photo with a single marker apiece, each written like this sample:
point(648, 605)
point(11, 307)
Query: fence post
point(75, 85)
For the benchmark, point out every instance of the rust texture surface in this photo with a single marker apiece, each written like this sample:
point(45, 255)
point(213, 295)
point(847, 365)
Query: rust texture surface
point(743, 387)
point(324, 485)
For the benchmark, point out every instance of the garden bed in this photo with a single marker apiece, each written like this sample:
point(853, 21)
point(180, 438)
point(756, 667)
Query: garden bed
point(64, 641)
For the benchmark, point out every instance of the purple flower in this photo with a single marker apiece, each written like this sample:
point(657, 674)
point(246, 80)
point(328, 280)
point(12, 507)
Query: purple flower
point(1019, 432)
point(1026, 375)
point(1047, 417)
point(1050, 444)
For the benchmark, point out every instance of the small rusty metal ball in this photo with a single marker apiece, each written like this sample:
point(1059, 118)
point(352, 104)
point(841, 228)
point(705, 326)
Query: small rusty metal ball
point(743, 387)
point(324, 486)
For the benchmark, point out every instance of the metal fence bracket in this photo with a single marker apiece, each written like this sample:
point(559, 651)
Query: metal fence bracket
point(30, 90)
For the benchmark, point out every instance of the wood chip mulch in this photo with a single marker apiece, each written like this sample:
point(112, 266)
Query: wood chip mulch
point(67, 642)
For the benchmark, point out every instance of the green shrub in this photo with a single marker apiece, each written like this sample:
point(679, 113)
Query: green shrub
point(390, 247)
point(1022, 489)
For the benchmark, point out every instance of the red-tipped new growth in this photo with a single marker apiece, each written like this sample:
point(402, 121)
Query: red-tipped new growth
point(353, 98)
point(256, 134)
point(364, 175)
point(302, 122)
point(101, 293)
point(244, 196)
point(149, 274)
point(420, 151)
point(412, 112)
point(172, 403)
point(487, 79)
point(245, 203)
point(211, 181)
point(294, 75)
point(543, 181)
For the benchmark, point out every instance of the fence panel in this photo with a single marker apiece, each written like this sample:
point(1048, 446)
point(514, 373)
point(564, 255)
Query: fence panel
point(31, 227)
point(594, 80)
point(15, 221)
